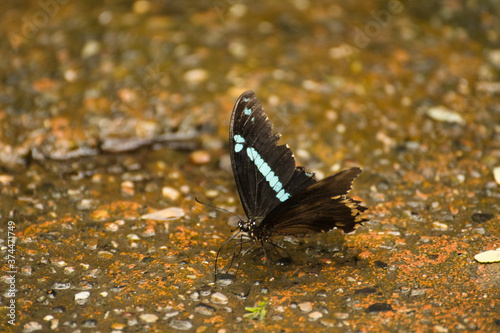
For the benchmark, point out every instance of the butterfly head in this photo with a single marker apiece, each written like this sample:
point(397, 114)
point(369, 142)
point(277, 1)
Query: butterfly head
point(247, 227)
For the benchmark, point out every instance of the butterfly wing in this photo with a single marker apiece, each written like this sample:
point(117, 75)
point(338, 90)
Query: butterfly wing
point(264, 171)
point(320, 207)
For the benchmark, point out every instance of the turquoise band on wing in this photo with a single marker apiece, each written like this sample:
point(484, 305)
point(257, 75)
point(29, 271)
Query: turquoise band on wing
point(263, 168)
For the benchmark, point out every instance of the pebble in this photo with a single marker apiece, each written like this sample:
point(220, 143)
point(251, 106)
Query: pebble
point(488, 256)
point(496, 174)
point(89, 323)
point(169, 315)
point(205, 290)
point(165, 214)
point(6, 179)
point(182, 325)
point(61, 285)
point(111, 226)
point(197, 75)
point(443, 114)
point(204, 309)
point(149, 318)
point(170, 193)
point(305, 306)
point(200, 157)
point(219, 298)
point(118, 326)
point(313, 316)
point(379, 307)
point(32, 326)
point(127, 187)
point(54, 324)
point(341, 315)
point(481, 217)
point(86, 204)
point(105, 254)
point(327, 322)
point(195, 296)
point(82, 297)
point(417, 292)
point(440, 225)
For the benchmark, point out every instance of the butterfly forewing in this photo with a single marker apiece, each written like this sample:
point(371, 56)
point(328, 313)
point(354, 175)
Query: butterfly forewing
point(264, 171)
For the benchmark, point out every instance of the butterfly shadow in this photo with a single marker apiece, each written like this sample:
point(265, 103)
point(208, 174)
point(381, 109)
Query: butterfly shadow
point(301, 258)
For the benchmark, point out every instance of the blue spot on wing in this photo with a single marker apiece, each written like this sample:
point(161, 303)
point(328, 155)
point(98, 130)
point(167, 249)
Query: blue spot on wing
point(239, 143)
point(239, 139)
point(247, 111)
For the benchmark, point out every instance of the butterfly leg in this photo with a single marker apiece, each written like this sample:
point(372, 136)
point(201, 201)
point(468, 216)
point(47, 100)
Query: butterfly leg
point(288, 256)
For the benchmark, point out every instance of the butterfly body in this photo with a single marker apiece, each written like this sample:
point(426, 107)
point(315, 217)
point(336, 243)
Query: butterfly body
point(278, 197)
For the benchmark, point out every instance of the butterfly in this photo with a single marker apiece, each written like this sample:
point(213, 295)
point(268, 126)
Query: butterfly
point(278, 197)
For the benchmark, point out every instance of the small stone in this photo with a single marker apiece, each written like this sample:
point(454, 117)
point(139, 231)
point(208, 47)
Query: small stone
point(205, 290)
point(32, 326)
point(327, 322)
point(366, 291)
point(305, 306)
point(200, 157)
point(165, 214)
point(86, 204)
point(496, 174)
point(170, 193)
point(481, 217)
point(82, 297)
point(341, 315)
point(127, 187)
point(54, 324)
point(90, 48)
point(118, 326)
point(133, 237)
point(89, 323)
point(61, 285)
point(313, 316)
point(182, 325)
point(6, 179)
point(149, 318)
point(204, 309)
point(379, 307)
point(488, 256)
point(210, 193)
point(219, 298)
point(169, 315)
point(195, 76)
point(111, 226)
point(105, 254)
point(443, 114)
point(440, 225)
point(195, 296)
point(417, 292)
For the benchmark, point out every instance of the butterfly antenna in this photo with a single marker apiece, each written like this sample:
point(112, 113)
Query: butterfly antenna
point(219, 208)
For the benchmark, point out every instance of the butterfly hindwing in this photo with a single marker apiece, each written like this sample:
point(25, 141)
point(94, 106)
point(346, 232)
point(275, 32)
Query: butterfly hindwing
point(264, 171)
point(317, 208)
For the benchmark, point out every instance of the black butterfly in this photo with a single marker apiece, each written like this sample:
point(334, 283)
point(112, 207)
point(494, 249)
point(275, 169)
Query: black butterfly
point(278, 197)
